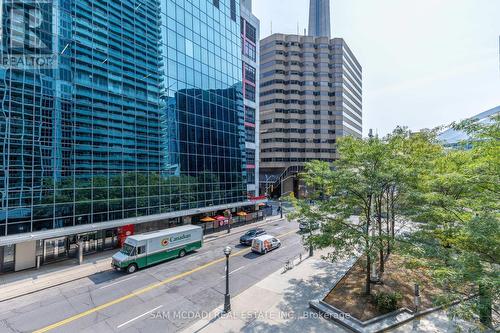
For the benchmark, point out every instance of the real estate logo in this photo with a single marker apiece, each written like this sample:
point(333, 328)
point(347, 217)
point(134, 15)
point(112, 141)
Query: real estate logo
point(27, 34)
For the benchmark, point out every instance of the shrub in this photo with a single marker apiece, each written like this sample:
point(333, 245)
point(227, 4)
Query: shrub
point(387, 301)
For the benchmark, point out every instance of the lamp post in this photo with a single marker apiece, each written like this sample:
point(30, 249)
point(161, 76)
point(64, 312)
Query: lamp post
point(281, 209)
point(227, 297)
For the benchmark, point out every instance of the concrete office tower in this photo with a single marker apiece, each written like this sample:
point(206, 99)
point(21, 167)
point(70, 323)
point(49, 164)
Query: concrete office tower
point(250, 27)
point(311, 94)
point(319, 18)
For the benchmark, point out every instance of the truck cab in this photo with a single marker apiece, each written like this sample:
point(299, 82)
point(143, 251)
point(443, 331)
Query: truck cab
point(129, 257)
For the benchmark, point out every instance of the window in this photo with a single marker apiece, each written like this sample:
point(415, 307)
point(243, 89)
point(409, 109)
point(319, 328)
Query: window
point(250, 156)
point(251, 176)
point(250, 92)
point(216, 3)
point(251, 32)
point(250, 134)
point(249, 51)
point(141, 249)
point(233, 10)
point(249, 115)
point(249, 73)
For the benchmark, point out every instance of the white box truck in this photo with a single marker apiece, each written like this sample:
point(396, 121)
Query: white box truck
point(144, 250)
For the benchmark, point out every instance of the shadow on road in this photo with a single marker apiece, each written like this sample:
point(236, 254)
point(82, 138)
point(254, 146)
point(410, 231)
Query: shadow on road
point(252, 255)
point(104, 277)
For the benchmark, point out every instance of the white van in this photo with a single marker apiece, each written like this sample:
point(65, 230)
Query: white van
point(265, 243)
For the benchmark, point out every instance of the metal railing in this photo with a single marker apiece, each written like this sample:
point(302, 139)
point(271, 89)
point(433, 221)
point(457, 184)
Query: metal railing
point(276, 182)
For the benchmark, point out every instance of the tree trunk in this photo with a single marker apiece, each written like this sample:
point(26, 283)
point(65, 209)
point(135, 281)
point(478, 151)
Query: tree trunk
point(378, 202)
point(368, 213)
point(387, 226)
point(311, 248)
point(485, 305)
point(368, 285)
point(393, 216)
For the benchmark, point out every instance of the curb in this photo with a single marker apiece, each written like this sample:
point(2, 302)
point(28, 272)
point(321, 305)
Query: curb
point(251, 226)
point(218, 310)
point(52, 285)
point(97, 271)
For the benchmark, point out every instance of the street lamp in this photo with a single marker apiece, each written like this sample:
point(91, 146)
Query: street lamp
point(281, 208)
point(227, 297)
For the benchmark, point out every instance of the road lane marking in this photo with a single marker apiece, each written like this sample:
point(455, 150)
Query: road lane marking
point(238, 269)
point(112, 284)
point(143, 290)
point(140, 316)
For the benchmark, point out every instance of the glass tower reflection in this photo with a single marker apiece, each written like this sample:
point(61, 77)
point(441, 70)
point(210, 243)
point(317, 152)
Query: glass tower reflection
point(143, 115)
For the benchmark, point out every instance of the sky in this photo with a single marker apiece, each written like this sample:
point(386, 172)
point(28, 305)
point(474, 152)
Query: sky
point(426, 63)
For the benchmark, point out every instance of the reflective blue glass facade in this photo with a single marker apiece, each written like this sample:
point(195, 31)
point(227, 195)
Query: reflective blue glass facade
point(142, 115)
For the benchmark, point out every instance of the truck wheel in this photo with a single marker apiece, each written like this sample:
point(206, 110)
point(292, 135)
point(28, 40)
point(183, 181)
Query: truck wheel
point(182, 253)
point(132, 268)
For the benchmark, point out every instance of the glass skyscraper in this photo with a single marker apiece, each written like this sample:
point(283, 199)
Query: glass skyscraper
point(142, 115)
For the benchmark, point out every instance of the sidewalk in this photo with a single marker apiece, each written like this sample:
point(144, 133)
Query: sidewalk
point(279, 302)
point(22, 283)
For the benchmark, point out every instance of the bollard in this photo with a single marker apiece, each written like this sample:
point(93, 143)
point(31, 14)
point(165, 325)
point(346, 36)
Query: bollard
point(38, 261)
point(80, 253)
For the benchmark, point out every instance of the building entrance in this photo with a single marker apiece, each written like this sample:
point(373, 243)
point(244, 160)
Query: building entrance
point(55, 249)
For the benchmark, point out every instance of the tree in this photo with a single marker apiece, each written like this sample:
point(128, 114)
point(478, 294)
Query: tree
point(457, 201)
point(348, 189)
point(452, 199)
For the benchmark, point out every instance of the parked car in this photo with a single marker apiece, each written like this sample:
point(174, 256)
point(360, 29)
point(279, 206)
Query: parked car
point(250, 235)
point(265, 243)
point(304, 226)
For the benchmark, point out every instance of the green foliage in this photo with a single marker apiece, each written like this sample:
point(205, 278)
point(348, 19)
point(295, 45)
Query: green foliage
point(444, 203)
point(387, 301)
point(414, 263)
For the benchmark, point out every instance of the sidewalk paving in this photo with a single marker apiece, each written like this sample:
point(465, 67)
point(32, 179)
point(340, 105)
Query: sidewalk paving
point(280, 303)
point(22, 283)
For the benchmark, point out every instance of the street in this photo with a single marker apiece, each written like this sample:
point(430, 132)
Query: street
point(164, 298)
